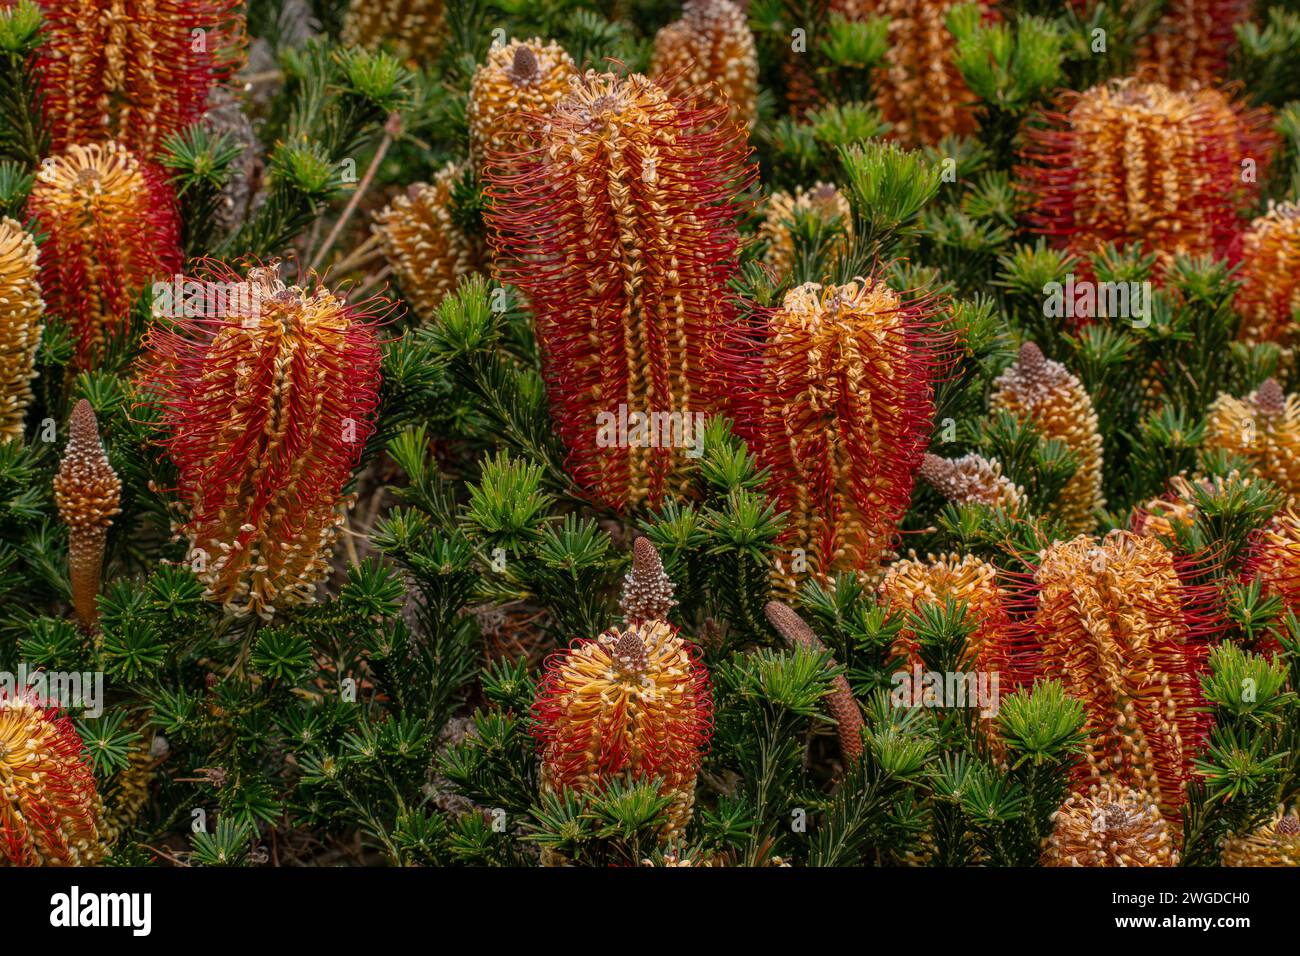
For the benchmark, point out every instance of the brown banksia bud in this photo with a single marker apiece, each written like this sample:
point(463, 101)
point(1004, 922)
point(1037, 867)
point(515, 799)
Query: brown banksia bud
point(1110, 825)
point(417, 29)
point(1041, 391)
point(647, 590)
point(88, 494)
point(710, 53)
point(823, 201)
point(427, 250)
point(1264, 429)
point(112, 230)
point(1116, 625)
point(840, 702)
point(21, 310)
point(971, 479)
point(520, 80)
point(1269, 297)
point(1275, 844)
point(1192, 41)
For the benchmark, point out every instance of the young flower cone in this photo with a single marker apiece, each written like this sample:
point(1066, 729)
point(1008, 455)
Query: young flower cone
point(710, 53)
point(647, 590)
point(1275, 844)
point(520, 80)
point(49, 814)
point(1264, 429)
point(971, 479)
point(416, 28)
point(823, 201)
point(1041, 391)
point(1110, 825)
point(634, 700)
point(1269, 297)
point(88, 493)
point(134, 72)
point(1192, 41)
point(21, 310)
point(620, 229)
point(112, 231)
point(267, 398)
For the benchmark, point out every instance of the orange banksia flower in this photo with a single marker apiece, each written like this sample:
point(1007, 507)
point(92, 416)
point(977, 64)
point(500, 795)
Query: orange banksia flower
point(1115, 625)
point(710, 53)
point(1041, 391)
point(1192, 41)
point(1128, 162)
point(49, 811)
point(971, 479)
point(1264, 429)
point(1275, 558)
point(1110, 825)
point(21, 310)
point(427, 250)
point(1275, 844)
point(112, 231)
point(1269, 297)
point(620, 229)
point(520, 80)
point(268, 394)
point(417, 29)
point(88, 493)
point(633, 701)
point(134, 72)
point(823, 201)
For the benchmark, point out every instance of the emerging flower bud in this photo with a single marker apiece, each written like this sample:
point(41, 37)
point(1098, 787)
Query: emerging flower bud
point(1264, 429)
point(710, 53)
point(521, 79)
point(1110, 825)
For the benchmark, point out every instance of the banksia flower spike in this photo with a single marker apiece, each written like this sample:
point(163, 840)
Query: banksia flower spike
point(520, 80)
point(1116, 625)
point(88, 494)
point(1269, 297)
point(840, 702)
point(1041, 391)
point(427, 250)
point(647, 590)
point(971, 479)
point(633, 701)
point(823, 201)
point(710, 53)
point(1192, 41)
point(1161, 517)
point(49, 814)
point(1129, 162)
point(1275, 844)
point(1110, 825)
point(417, 28)
point(1264, 429)
point(620, 229)
point(1275, 559)
point(112, 231)
point(268, 395)
point(21, 309)
point(136, 72)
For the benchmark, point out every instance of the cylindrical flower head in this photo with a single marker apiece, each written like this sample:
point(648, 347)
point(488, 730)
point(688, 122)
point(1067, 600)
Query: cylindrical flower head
point(427, 251)
point(416, 28)
point(633, 700)
point(1275, 844)
point(521, 79)
point(1039, 390)
point(112, 231)
point(1264, 429)
point(823, 201)
point(88, 493)
point(268, 395)
point(1137, 162)
point(49, 814)
point(621, 231)
point(972, 479)
point(1275, 559)
point(1114, 623)
point(134, 72)
point(1192, 41)
point(1269, 297)
point(710, 53)
point(1110, 825)
point(21, 310)
point(647, 589)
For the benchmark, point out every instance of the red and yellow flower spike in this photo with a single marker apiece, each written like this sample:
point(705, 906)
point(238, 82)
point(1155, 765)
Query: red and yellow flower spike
point(1191, 42)
point(268, 394)
point(112, 231)
point(1110, 825)
point(21, 311)
point(1269, 297)
point(710, 53)
point(134, 72)
point(520, 80)
point(620, 227)
point(1264, 429)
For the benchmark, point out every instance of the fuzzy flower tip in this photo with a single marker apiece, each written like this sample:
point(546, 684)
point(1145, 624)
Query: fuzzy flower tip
point(417, 29)
point(1116, 625)
point(710, 53)
point(620, 228)
point(1042, 392)
point(1269, 297)
point(824, 202)
point(1275, 844)
point(88, 493)
point(134, 72)
point(427, 250)
point(112, 230)
point(1264, 429)
point(647, 590)
point(635, 700)
point(1192, 41)
point(971, 479)
point(267, 394)
point(49, 811)
point(1137, 162)
point(1110, 825)
point(521, 79)
point(21, 309)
